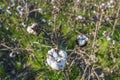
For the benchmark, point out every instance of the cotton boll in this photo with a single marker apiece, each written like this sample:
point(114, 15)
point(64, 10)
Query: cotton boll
point(40, 10)
point(56, 59)
point(50, 23)
point(34, 29)
point(103, 4)
point(82, 40)
point(12, 55)
point(107, 19)
point(109, 38)
point(43, 20)
point(8, 8)
point(30, 30)
point(79, 17)
point(113, 42)
point(7, 28)
point(94, 12)
point(34, 25)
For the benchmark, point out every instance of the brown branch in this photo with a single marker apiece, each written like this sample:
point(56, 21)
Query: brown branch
point(65, 75)
point(117, 15)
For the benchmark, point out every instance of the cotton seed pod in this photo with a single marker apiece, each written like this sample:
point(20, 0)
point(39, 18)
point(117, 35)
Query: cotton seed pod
point(82, 40)
point(56, 59)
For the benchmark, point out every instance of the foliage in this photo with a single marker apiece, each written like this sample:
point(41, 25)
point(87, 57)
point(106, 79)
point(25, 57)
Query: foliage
point(23, 55)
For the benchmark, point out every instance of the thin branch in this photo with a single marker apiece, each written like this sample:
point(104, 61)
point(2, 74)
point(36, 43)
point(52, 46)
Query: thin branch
point(66, 75)
point(117, 15)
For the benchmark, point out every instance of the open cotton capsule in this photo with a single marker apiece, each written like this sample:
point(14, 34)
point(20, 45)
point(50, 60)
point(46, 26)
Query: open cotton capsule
point(56, 59)
point(82, 40)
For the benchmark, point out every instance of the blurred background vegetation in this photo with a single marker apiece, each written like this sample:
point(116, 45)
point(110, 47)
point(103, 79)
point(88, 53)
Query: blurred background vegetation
point(23, 55)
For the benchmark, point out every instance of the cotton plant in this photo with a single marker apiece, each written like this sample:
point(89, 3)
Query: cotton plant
point(56, 59)
point(82, 40)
